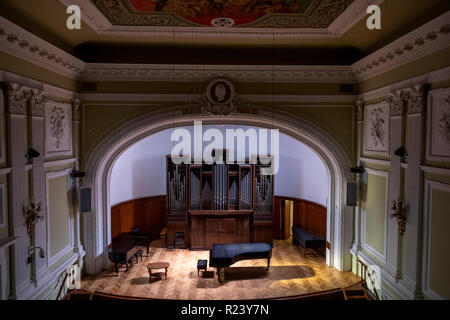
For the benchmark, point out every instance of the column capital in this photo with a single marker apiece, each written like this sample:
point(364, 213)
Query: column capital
point(397, 103)
point(76, 109)
point(359, 110)
point(415, 99)
point(16, 98)
point(37, 103)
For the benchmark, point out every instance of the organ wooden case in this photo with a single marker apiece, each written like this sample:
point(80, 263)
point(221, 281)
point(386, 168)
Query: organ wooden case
point(219, 203)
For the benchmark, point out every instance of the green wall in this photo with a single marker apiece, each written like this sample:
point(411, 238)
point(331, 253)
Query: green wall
point(59, 215)
point(375, 221)
point(440, 243)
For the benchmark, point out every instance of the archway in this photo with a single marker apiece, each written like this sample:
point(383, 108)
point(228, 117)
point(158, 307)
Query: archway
point(100, 163)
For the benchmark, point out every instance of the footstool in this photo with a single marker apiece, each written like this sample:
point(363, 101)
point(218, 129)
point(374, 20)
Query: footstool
point(201, 265)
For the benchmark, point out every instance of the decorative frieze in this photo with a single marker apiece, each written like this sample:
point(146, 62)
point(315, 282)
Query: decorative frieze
point(16, 99)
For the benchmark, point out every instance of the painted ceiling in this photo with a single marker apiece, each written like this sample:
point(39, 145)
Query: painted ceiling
point(223, 13)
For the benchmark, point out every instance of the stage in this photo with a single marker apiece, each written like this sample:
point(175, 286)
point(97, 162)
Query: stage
point(289, 274)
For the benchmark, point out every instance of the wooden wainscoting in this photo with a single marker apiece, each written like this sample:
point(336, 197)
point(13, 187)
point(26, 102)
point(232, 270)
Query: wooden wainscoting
point(146, 214)
point(308, 215)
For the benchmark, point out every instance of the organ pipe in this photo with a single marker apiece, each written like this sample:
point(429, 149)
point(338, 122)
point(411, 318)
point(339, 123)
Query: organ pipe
point(218, 190)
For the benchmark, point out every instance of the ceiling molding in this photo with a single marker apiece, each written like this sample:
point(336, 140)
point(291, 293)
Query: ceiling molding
point(93, 17)
point(430, 77)
point(425, 40)
point(201, 73)
point(351, 16)
point(47, 89)
point(267, 98)
point(20, 43)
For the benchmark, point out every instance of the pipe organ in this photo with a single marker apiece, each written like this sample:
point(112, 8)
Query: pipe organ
point(217, 203)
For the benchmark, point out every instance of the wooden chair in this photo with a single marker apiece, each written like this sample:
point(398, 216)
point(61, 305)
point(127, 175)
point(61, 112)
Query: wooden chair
point(179, 240)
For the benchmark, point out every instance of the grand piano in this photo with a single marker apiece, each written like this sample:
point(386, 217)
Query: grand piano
point(125, 248)
point(224, 255)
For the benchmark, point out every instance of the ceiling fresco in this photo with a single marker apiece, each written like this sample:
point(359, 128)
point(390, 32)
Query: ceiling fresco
point(223, 13)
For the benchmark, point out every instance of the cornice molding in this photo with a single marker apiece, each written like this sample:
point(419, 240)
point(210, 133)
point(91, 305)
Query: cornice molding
point(93, 17)
point(22, 44)
point(425, 40)
point(430, 38)
point(203, 73)
point(120, 98)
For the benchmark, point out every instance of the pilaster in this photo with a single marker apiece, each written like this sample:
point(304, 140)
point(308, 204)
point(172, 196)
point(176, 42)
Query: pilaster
point(37, 142)
point(416, 105)
point(16, 103)
point(359, 117)
point(76, 109)
point(397, 105)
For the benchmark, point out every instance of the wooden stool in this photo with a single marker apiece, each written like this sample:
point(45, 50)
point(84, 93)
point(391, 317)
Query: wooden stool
point(201, 265)
point(157, 265)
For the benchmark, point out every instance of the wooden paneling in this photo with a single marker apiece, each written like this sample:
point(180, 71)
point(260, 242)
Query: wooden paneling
point(146, 214)
point(306, 214)
point(277, 217)
point(210, 228)
point(263, 232)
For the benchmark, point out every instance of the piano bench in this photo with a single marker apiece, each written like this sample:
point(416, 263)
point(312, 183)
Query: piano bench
point(201, 265)
point(139, 254)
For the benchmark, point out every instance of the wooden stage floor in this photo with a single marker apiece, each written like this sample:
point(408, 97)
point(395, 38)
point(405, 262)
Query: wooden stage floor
point(289, 274)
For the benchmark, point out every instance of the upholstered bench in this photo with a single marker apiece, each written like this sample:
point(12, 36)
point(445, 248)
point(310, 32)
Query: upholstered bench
point(201, 265)
point(307, 240)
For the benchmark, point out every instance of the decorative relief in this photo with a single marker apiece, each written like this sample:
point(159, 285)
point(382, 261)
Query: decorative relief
point(16, 98)
point(431, 37)
point(396, 101)
point(37, 102)
point(377, 129)
point(415, 99)
point(359, 110)
point(220, 98)
point(76, 109)
point(20, 43)
point(439, 124)
point(444, 121)
point(58, 128)
point(32, 215)
point(243, 13)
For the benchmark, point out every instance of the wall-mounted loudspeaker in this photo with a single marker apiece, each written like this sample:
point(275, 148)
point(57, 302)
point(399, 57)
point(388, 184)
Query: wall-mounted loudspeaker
point(352, 194)
point(85, 200)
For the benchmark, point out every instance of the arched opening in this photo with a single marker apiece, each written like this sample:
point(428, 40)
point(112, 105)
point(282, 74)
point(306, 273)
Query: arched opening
point(138, 178)
point(99, 169)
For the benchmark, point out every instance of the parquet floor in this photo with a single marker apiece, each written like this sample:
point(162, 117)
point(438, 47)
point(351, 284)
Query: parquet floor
point(289, 274)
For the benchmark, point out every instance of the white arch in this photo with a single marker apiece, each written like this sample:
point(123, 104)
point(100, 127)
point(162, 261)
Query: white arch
point(99, 166)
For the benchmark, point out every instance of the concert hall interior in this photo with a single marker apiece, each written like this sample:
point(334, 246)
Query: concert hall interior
point(224, 150)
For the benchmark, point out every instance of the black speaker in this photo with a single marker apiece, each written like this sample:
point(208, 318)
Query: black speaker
point(352, 194)
point(85, 199)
